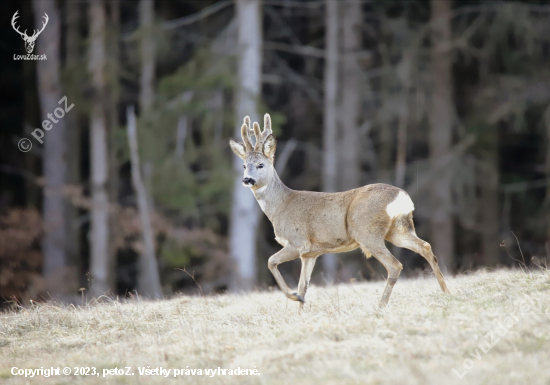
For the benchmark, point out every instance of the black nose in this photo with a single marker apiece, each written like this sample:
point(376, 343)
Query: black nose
point(249, 181)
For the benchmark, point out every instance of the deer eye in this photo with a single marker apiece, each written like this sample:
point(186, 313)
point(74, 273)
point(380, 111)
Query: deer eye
point(261, 165)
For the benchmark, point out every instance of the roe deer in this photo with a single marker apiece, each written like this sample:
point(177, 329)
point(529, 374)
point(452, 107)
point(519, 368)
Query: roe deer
point(308, 224)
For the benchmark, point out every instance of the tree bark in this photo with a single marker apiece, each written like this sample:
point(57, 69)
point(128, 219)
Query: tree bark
point(55, 147)
point(385, 151)
point(349, 111)
point(440, 136)
point(547, 166)
point(489, 200)
point(99, 237)
point(112, 122)
point(403, 120)
point(330, 137)
point(149, 280)
point(148, 50)
point(244, 211)
point(401, 153)
point(74, 133)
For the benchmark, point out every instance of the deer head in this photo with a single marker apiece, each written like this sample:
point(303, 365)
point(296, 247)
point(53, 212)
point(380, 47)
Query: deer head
point(29, 40)
point(258, 159)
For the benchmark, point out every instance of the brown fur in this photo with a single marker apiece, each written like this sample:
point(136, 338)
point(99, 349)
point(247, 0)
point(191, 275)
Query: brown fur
point(308, 224)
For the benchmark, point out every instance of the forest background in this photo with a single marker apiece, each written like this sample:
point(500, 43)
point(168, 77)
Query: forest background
point(449, 100)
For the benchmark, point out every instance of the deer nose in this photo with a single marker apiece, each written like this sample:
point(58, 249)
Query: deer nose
point(249, 181)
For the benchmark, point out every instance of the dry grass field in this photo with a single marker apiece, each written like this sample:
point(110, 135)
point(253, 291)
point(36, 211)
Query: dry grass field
point(495, 329)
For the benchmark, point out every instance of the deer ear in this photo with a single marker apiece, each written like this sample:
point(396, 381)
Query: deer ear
point(238, 149)
point(270, 145)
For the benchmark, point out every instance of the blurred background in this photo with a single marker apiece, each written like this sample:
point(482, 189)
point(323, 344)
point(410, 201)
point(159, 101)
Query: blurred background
point(134, 190)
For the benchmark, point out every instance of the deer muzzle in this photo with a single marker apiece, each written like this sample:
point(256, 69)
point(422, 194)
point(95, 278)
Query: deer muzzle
point(249, 182)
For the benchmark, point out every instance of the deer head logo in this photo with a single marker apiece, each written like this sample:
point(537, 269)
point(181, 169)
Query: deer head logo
point(29, 40)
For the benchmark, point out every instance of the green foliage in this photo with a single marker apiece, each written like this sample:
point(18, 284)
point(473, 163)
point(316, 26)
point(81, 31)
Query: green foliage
point(176, 255)
point(196, 183)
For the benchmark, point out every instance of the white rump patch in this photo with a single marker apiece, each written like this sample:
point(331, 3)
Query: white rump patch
point(401, 205)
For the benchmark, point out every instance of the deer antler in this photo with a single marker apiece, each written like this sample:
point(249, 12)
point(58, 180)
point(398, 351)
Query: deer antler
point(258, 145)
point(245, 134)
point(44, 23)
point(261, 137)
point(15, 16)
point(267, 127)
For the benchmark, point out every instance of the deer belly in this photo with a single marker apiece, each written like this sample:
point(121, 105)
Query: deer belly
point(339, 246)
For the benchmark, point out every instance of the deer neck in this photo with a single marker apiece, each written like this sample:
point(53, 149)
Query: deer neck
point(273, 196)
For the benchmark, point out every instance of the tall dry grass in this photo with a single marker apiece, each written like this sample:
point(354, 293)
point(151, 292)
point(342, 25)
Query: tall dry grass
point(341, 337)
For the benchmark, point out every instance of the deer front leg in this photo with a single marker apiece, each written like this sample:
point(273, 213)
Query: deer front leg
point(287, 253)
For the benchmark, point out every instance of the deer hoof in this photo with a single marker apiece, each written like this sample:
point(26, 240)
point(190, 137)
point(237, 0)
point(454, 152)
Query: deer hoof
point(296, 297)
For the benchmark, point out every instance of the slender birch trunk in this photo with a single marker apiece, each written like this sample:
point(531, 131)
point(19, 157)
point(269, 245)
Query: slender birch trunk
point(99, 237)
point(244, 211)
point(149, 280)
point(55, 149)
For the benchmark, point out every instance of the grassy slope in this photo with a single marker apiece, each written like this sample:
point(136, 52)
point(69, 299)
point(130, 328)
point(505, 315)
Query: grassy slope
point(341, 337)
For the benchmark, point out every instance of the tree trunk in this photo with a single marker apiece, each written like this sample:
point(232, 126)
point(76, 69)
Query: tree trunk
point(74, 132)
point(349, 165)
point(112, 121)
point(330, 137)
point(547, 125)
point(401, 153)
point(148, 49)
point(149, 281)
point(99, 237)
point(244, 211)
point(403, 120)
point(385, 151)
point(440, 136)
point(489, 201)
point(55, 268)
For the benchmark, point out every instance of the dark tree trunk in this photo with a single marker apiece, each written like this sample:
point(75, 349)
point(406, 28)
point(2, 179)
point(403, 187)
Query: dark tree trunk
point(74, 132)
point(349, 111)
point(330, 133)
point(489, 200)
point(441, 115)
point(148, 49)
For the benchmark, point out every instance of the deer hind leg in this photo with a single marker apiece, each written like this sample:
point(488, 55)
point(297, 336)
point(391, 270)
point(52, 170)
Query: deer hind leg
point(307, 268)
point(378, 249)
point(409, 240)
point(287, 253)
